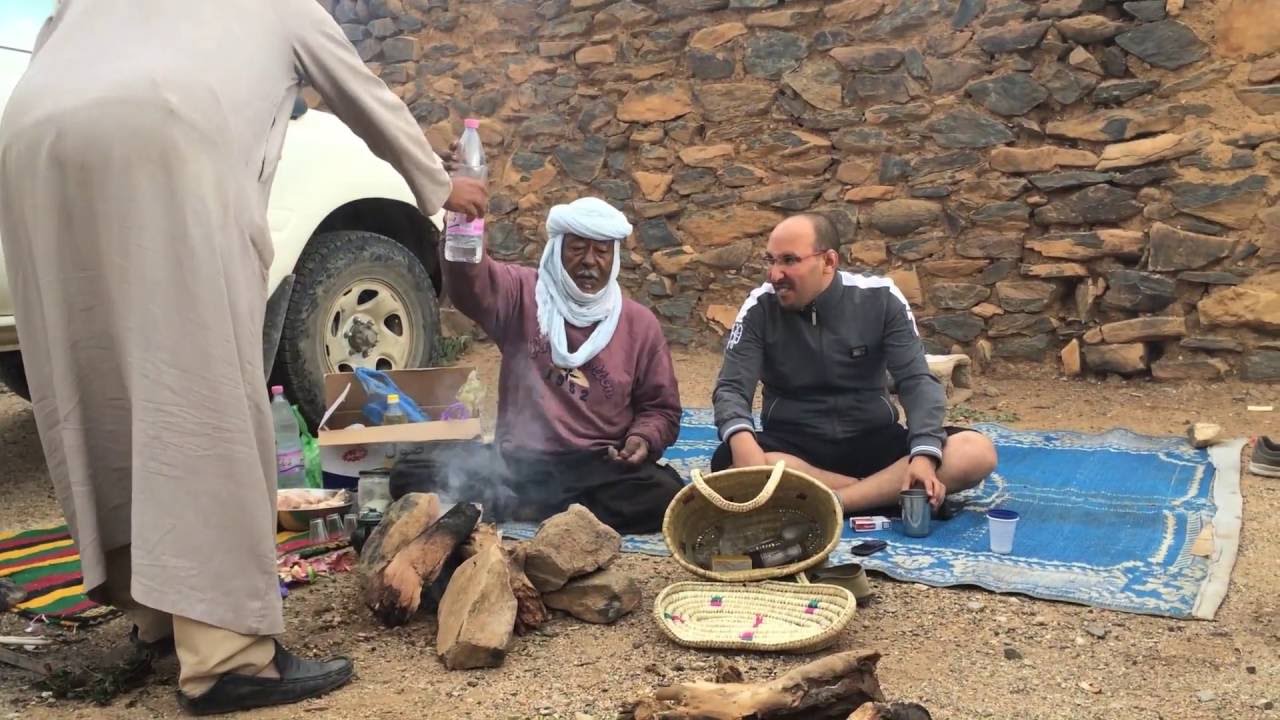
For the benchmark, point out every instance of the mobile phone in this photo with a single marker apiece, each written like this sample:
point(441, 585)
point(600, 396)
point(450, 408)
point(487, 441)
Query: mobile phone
point(868, 547)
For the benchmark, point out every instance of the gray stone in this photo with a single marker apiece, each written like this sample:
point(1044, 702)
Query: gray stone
point(1069, 8)
point(1019, 324)
point(897, 114)
point(831, 38)
point(568, 545)
point(1012, 653)
point(862, 140)
point(966, 12)
point(1166, 44)
point(1008, 94)
point(917, 248)
point(1233, 204)
point(770, 54)
point(383, 28)
point(903, 217)
point(477, 614)
point(428, 112)
point(1197, 80)
point(1013, 38)
point(869, 88)
point(625, 15)
point(894, 169)
point(355, 33)
point(1118, 92)
point(1213, 343)
point(409, 24)
point(990, 246)
point(948, 75)
point(957, 296)
point(688, 181)
point(1068, 180)
point(793, 196)
point(1174, 249)
point(710, 65)
point(1090, 206)
point(1210, 277)
point(677, 308)
point(1197, 225)
point(1262, 99)
point(997, 271)
point(1113, 62)
point(675, 9)
point(502, 239)
point(1238, 159)
point(913, 61)
point(965, 128)
point(1024, 348)
point(1122, 359)
point(1261, 365)
point(601, 597)
point(1010, 11)
point(872, 59)
point(961, 327)
point(1137, 291)
point(567, 26)
point(1145, 176)
point(1146, 10)
point(656, 234)
point(955, 160)
point(1025, 296)
point(903, 16)
point(369, 49)
point(1006, 215)
point(1252, 136)
point(738, 176)
point(397, 74)
point(1064, 84)
point(732, 101)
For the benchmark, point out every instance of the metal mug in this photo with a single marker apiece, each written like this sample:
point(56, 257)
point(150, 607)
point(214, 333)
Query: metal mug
point(916, 512)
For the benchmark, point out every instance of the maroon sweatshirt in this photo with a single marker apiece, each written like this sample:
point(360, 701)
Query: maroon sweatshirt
point(628, 389)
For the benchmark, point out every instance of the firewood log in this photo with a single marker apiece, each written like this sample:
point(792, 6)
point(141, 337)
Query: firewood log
point(892, 711)
point(825, 689)
point(395, 591)
point(531, 613)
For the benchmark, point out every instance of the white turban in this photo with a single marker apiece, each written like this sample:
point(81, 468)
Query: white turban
point(559, 298)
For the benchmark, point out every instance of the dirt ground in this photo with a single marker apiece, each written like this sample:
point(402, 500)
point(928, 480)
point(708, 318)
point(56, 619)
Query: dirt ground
point(944, 648)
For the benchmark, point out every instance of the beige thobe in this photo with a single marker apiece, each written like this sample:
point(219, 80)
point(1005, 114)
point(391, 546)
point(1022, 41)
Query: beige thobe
point(136, 157)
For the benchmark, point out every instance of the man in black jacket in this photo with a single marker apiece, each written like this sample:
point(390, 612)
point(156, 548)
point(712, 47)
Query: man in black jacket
point(820, 340)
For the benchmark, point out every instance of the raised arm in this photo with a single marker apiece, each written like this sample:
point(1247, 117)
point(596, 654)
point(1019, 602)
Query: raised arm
point(362, 101)
point(487, 291)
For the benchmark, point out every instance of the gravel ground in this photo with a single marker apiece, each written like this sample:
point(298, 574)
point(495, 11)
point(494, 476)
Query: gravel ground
point(963, 653)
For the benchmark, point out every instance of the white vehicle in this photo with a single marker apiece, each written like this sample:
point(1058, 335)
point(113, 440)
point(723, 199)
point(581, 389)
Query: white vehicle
point(355, 277)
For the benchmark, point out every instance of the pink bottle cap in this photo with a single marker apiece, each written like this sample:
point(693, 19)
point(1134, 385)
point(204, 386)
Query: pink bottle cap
point(277, 389)
point(472, 123)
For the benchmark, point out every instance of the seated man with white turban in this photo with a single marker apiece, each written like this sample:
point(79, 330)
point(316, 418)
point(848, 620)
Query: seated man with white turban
point(587, 395)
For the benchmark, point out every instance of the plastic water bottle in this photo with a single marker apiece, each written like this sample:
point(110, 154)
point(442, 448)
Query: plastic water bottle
point(394, 414)
point(291, 471)
point(463, 239)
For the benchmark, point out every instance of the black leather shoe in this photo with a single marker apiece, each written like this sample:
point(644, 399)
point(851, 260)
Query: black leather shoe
point(300, 679)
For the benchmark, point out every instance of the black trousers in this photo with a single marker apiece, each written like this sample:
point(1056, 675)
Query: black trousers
point(860, 455)
point(532, 486)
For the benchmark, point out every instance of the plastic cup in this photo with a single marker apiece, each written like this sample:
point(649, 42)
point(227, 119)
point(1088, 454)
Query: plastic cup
point(1000, 526)
point(333, 526)
point(349, 525)
point(317, 532)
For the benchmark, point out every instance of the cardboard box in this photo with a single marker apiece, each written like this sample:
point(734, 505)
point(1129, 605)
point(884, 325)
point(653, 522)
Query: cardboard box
point(345, 450)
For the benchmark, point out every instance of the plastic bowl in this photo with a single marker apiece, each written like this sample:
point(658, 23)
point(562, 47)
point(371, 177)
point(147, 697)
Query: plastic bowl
point(299, 520)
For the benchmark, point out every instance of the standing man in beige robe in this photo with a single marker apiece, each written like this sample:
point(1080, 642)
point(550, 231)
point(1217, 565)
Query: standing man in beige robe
point(136, 158)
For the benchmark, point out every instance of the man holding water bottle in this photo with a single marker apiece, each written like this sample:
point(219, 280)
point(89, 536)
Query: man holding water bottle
point(137, 244)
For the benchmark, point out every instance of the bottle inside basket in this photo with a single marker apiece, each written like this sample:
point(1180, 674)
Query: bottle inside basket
point(775, 556)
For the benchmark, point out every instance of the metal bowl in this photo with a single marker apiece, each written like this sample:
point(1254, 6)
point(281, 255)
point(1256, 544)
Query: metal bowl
point(298, 520)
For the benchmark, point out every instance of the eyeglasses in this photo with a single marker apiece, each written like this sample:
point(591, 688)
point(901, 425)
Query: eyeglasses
point(788, 260)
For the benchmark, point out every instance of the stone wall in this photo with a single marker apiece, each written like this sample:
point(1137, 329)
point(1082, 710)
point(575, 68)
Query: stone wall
point(1080, 182)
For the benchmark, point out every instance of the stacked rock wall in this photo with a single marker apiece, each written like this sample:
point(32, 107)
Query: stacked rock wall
point(1083, 182)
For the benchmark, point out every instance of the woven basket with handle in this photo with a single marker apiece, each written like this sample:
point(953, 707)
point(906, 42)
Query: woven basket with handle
point(751, 505)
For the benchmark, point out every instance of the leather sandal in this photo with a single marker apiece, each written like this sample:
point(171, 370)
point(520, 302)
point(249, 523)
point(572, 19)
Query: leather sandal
point(850, 576)
point(300, 679)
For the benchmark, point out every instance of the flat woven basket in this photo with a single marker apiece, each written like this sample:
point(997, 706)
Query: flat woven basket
point(766, 616)
point(751, 505)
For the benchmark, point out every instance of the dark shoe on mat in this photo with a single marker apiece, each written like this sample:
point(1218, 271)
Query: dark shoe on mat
point(1266, 458)
point(300, 679)
point(156, 649)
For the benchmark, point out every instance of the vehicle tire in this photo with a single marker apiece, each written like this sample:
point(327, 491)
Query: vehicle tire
point(359, 300)
point(13, 375)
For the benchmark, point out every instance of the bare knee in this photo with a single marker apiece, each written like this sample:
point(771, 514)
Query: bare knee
point(967, 458)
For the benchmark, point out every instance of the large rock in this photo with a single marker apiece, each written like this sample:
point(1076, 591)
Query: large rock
point(1089, 29)
point(1153, 149)
point(961, 327)
point(723, 102)
point(713, 37)
point(582, 160)
point(1091, 206)
point(1126, 244)
point(653, 186)
point(1115, 125)
point(729, 257)
point(1166, 44)
point(1014, 37)
point(1071, 361)
point(1232, 204)
point(1019, 324)
point(908, 281)
point(965, 128)
point(871, 88)
point(1009, 94)
point(1055, 270)
point(1146, 10)
point(626, 15)
point(1254, 304)
point(1070, 180)
point(1119, 92)
point(1193, 367)
point(1040, 159)
point(917, 248)
point(601, 597)
point(1126, 359)
point(1021, 347)
point(568, 545)
point(851, 10)
point(477, 613)
point(868, 59)
point(713, 228)
point(792, 196)
point(1064, 84)
point(1262, 99)
point(769, 54)
point(1008, 246)
point(1174, 249)
point(946, 75)
point(1138, 291)
point(1261, 366)
point(957, 296)
point(655, 101)
point(1144, 329)
point(1025, 296)
point(1265, 70)
point(706, 155)
point(903, 217)
point(404, 520)
point(819, 81)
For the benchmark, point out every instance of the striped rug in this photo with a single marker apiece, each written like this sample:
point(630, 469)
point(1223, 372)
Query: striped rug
point(45, 564)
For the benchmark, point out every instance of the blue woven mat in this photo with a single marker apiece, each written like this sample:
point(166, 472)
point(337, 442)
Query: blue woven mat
point(1108, 520)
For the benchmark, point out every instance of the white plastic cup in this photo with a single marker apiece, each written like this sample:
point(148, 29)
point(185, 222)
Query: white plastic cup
point(1000, 526)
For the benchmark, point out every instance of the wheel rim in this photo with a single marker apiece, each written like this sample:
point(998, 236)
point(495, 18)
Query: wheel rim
point(367, 325)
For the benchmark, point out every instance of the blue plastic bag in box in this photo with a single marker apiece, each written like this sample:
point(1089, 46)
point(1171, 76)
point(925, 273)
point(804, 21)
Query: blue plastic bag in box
point(377, 386)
